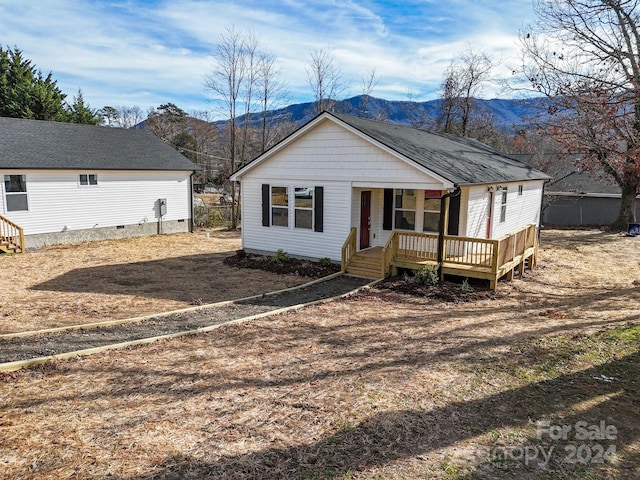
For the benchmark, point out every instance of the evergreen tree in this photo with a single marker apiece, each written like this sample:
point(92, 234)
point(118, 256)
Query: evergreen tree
point(79, 112)
point(25, 92)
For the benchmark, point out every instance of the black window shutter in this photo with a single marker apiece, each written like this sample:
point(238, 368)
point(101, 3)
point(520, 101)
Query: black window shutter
point(318, 223)
point(387, 216)
point(266, 205)
point(454, 215)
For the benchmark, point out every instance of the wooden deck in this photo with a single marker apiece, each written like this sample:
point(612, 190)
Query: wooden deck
point(462, 256)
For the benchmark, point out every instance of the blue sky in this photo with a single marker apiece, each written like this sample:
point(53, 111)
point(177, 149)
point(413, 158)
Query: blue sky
point(149, 52)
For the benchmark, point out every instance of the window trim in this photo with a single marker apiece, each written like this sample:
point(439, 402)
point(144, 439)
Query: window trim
point(7, 194)
point(431, 195)
point(279, 207)
point(88, 177)
point(306, 209)
point(503, 205)
point(402, 209)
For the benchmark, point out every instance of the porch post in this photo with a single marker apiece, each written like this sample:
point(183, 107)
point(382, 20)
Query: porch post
point(442, 227)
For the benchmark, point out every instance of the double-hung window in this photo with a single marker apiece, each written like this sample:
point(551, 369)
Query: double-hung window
point(405, 209)
point(303, 207)
point(15, 188)
point(88, 179)
point(503, 205)
point(431, 214)
point(279, 207)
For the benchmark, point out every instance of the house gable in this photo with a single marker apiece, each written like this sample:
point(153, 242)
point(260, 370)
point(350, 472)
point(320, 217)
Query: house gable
point(331, 152)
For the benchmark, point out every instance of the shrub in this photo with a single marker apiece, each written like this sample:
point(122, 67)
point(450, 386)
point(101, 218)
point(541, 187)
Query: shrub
point(427, 276)
point(325, 262)
point(280, 257)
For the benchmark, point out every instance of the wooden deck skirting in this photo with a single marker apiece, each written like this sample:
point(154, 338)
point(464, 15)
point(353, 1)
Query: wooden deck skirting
point(11, 236)
point(462, 256)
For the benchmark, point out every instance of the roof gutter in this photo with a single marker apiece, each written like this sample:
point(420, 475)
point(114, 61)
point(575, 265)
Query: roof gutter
point(442, 224)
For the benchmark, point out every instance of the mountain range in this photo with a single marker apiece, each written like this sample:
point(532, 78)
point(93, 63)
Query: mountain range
point(505, 114)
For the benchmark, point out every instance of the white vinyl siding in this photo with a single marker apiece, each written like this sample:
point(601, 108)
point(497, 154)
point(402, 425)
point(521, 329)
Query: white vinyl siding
point(303, 242)
point(331, 153)
point(57, 203)
point(520, 210)
point(338, 160)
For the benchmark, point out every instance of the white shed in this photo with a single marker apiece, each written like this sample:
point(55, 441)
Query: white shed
point(64, 182)
point(340, 176)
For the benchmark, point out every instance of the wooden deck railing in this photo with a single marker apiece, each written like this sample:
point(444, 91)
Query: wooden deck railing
point(489, 258)
point(349, 248)
point(11, 233)
point(475, 252)
point(389, 251)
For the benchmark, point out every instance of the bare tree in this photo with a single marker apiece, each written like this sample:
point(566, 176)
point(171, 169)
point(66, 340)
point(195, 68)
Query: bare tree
point(251, 59)
point(226, 82)
point(122, 117)
point(244, 82)
point(273, 94)
point(418, 117)
point(464, 79)
point(325, 79)
point(585, 57)
point(369, 82)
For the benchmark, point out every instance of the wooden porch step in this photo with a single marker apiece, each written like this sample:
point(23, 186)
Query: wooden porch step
point(7, 247)
point(365, 264)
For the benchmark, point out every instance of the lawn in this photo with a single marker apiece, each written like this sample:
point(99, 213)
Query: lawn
point(95, 281)
point(381, 385)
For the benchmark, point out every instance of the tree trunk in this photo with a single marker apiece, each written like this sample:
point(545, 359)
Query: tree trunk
point(627, 213)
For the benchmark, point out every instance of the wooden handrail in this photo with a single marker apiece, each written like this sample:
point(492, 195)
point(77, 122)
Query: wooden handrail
point(12, 233)
point(348, 248)
point(389, 252)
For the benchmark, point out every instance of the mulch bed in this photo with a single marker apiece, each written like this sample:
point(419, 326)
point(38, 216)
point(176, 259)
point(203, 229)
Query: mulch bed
point(448, 291)
point(22, 348)
point(288, 266)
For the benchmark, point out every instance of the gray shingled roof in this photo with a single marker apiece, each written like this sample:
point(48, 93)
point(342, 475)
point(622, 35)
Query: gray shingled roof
point(462, 161)
point(34, 144)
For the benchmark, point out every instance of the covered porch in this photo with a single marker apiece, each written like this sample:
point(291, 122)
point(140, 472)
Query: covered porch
point(488, 259)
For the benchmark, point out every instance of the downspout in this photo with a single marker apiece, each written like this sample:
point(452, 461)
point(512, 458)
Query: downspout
point(442, 227)
point(191, 221)
point(542, 205)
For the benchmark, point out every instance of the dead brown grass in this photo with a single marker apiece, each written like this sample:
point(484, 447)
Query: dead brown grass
point(382, 385)
point(114, 279)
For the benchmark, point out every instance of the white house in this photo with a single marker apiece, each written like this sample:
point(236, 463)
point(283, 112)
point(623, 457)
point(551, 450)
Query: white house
point(341, 176)
point(63, 182)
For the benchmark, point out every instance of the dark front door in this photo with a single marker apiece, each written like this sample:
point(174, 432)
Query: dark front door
point(365, 219)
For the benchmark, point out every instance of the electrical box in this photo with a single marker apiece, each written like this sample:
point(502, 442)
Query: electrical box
point(162, 206)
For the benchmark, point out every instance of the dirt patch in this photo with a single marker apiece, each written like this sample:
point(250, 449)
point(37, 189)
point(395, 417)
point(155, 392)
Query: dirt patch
point(97, 281)
point(382, 385)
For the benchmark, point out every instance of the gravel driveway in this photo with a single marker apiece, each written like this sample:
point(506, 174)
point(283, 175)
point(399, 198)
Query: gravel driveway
point(23, 348)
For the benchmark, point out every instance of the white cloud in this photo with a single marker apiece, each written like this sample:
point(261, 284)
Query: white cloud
point(148, 53)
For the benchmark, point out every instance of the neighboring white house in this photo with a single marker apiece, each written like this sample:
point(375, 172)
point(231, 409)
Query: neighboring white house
point(306, 193)
point(65, 182)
